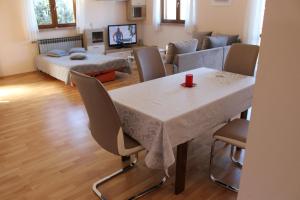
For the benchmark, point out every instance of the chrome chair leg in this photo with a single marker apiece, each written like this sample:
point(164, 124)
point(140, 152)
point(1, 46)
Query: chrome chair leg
point(125, 158)
point(232, 156)
point(121, 171)
point(229, 187)
point(215, 180)
point(103, 180)
point(149, 190)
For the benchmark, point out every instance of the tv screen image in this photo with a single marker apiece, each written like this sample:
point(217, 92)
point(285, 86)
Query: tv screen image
point(121, 35)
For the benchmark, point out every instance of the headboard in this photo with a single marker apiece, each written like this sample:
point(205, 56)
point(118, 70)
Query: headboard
point(63, 43)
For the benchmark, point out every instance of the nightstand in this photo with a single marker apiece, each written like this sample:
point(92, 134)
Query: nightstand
point(97, 49)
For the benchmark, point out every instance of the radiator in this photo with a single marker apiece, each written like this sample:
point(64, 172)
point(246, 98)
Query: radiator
point(63, 43)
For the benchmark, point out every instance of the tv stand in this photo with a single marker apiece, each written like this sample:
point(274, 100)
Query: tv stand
point(127, 52)
point(123, 52)
point(123, 46)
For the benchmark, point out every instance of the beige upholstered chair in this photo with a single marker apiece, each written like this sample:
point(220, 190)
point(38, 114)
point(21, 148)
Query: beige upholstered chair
point(235, 134)
point(105, 126)
point(149, 63)
point(241, 59)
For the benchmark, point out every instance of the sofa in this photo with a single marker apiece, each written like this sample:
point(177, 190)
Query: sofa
point(204, 50)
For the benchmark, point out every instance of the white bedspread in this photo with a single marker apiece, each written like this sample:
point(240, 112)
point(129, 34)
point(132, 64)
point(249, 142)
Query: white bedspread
point(160, 114)
point(60, 67)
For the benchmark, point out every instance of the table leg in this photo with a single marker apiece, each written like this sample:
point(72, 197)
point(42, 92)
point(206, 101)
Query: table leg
point(181, 167)
point(244, 114)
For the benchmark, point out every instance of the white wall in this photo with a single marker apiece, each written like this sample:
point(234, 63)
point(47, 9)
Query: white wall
point(222, 19)
point(227, 19)
point(272, 166)
point(17, 55)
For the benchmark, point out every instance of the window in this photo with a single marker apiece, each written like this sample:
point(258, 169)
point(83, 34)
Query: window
point(173, 11)
point(55, 13)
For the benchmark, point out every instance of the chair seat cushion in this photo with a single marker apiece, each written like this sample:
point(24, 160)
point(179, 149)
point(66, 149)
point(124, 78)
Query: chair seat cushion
point(235, 132)
point(129, 142)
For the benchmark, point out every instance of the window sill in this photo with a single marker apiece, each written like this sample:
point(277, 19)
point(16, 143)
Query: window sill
point(56, 32)
point(57, 29)
point(172, 23)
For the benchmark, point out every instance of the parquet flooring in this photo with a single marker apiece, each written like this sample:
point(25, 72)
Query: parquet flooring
point(47, 152)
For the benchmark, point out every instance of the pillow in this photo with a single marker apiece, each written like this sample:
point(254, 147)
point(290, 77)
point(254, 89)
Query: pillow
point(201, 36)
point(217, 41)
point(205, 43)
point(78, 56)
point(56, 53)
point(231, 38)
point(77, 50)
point(170, 53)
point(186, 46)
point(180, 48)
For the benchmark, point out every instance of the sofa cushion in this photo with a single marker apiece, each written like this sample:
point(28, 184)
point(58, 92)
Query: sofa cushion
point(201, 36)
point(170, 69)
point(170, 53)
point(205, 43)
point(231, 38)
point(188, 46)
point(217, 41)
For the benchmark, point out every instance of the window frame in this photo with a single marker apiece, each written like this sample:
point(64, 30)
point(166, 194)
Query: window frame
point(55, 24)
point(171, 21)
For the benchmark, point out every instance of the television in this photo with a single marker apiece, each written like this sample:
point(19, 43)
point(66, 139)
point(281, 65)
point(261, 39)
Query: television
point(122, 35)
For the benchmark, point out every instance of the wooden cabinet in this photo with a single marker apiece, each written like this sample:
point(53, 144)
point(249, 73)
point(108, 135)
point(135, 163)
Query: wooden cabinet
point(136, 10)
point(93, 40)
point(97, 49)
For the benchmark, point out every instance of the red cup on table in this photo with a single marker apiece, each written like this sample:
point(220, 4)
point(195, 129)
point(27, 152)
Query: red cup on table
point(189, 80)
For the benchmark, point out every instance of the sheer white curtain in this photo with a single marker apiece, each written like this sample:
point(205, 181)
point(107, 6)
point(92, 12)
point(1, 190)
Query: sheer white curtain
point(80, 15)
point(156, 14)
point(29, 20)
point(191, 15)
point(254, 21)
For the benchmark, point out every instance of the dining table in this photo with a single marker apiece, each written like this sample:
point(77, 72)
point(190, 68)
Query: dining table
point(162, 115)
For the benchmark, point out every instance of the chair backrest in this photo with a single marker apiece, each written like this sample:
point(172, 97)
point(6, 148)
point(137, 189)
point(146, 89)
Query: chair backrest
point(149, 63)
point(104, 119)
point(241, 59)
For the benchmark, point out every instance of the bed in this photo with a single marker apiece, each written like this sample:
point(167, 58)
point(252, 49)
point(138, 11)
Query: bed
point(59, 67)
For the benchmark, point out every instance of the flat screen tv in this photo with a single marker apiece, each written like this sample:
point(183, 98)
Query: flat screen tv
point(122, 35)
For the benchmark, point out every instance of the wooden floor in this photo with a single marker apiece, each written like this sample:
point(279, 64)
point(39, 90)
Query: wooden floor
point(47, 152)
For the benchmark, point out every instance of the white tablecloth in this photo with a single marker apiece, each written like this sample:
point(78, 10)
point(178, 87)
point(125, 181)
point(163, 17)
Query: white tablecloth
point(161, 114)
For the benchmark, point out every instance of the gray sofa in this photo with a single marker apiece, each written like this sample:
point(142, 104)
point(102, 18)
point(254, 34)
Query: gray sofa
point(207, 51)
point(211, 58)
